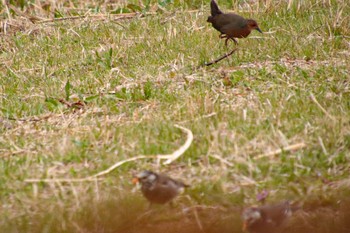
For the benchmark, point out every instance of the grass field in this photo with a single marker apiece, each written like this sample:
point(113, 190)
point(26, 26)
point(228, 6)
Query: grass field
point(84, 85)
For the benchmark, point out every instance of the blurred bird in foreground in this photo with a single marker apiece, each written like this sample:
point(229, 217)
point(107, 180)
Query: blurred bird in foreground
point(267, 218)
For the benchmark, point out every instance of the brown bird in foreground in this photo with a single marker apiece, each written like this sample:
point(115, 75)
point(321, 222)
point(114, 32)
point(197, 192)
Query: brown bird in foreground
point(231, 25)
point(158, 188)
point(267, 218)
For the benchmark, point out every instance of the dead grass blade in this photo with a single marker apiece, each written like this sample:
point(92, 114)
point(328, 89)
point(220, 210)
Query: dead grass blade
point(313, 98)
point(279, 151)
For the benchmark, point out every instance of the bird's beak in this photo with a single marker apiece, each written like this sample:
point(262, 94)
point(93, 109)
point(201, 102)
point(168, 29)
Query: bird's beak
point(258, 29)
point(135, 180)
point(244, 228)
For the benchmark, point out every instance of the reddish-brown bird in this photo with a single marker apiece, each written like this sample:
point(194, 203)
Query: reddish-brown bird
point(231, 25)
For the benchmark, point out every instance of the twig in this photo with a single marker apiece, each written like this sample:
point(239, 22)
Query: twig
point(220, 58)
point(117, 17)
point(176, 154)
point(279, 151)
point(169, 159)
point(83, 17)
point(114, 166)
point(62, 19)
point(313, 98)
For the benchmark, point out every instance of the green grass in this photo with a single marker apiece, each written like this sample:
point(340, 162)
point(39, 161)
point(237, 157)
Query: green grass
point(137, 78)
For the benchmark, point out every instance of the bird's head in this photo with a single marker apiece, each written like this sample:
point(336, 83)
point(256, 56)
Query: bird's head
point(210, 19)
point(145, 177)
point(252, 24)
point(250, 216)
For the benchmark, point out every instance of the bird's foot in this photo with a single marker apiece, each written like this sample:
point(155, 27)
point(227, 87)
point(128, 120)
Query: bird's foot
point(236, 43)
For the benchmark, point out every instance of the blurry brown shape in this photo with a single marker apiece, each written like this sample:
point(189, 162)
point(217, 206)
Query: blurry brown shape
point(267, 218)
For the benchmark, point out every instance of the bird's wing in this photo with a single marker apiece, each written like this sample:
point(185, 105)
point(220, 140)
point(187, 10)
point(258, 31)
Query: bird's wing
point(229, 22)
point(171, 183)
point(164, 180)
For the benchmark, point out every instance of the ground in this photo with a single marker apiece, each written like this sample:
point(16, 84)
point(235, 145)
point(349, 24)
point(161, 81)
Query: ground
point(86, 84)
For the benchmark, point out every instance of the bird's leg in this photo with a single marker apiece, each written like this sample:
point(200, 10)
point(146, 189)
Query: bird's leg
point(222, 36)
point(226, 41)
point(230, 38)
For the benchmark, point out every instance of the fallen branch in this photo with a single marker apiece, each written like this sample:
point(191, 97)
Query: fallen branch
point(169, 159)
point(279, 151)
point(220, 58)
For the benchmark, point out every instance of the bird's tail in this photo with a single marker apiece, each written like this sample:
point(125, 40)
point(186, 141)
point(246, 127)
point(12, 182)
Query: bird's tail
point(214, 9)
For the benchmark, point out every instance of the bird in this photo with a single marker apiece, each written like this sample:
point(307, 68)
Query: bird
point(267, 218)
point(159, 188)
point(230, 25)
